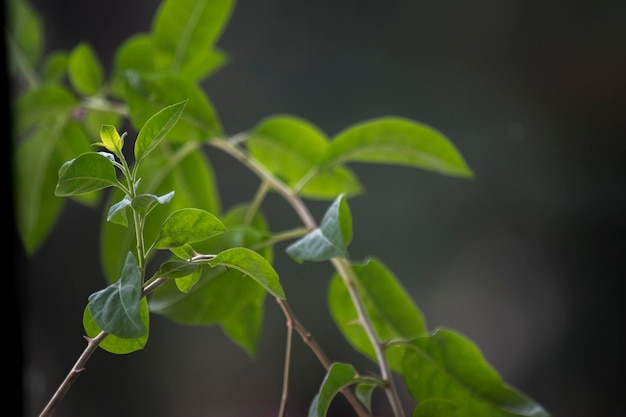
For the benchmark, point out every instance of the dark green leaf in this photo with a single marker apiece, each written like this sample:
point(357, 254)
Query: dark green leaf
point(115, 344)
point(187, 226)
point(177, 269)
point(391, 309)
point(90, 171)
point(448, 366)
point(400, 142)
point(84, 69)
point(330, 239)
point(253, 265)
point(115, 309)
point(156, 128)
point(435, 407)
point(338, 376)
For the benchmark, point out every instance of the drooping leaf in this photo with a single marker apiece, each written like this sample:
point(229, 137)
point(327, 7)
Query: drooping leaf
point(391, 310)
point(117, 212)
point(144, 203)
point(187, 226)
point(115, 344)
point(156, 128)
point(253, 265)
point(115, 309)
point(338, 376)
point(446, 365)
point(397, 141)
point(90, 171)
point(329, 240)
point(364, 394)
point(85, 70)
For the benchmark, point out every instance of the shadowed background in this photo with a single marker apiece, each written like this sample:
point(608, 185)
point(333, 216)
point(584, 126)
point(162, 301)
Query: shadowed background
point(525, 259)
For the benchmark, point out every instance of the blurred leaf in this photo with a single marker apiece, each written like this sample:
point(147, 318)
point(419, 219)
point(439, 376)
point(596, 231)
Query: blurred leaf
point(397, 141)
point(329, 240)
point(55, 66)
point(184, 30)
point(391, 310)
point(177, 269)
point(338, 376)
point(115, 344)
point(46, 106)
point(435, 408)
point(115, 309)
point(84, 69)
point(145, 96)
point(329, 182)
point(446, 365)
point(25, 38)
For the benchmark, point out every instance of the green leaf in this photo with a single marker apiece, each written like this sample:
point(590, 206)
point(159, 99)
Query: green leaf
point(115, 309)
point(186, 283)
point(117, 212)
point(111, 139)
point(187, 226)
point(156, 128)
point(329, 182)
point(287, 145)
point(435, 407)
point(397, 141)
point(338, 376)
point(90, 171)
point(448, 366)
point(144, 203)
point(115, 344)
point(329, 240)
point(145, 96)
point(55, 66)
point(253, 265)
point(183, 29)
point(184, 169)
point(392, 311)
point(364, 393)
point(84, 69)
point(221, 296)
point(177, 269)
point(25, 37)
point(44, 107)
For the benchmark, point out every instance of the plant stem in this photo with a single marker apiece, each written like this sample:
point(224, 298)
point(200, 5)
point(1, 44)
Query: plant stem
point(341, 265)
point(285, 393)
point(308, 339)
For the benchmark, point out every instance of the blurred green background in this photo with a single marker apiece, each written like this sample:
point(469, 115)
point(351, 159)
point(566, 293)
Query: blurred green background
point(526, 259)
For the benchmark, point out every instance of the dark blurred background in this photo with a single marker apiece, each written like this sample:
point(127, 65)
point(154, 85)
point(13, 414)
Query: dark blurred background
point(526, 259)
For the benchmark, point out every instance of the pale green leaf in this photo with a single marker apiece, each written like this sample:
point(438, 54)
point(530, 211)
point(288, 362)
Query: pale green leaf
point(84, 70)
point(187, 226)
point(156, 128)
point(397, 141)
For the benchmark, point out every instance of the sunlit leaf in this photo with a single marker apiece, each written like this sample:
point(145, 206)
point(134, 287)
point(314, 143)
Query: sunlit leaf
point(156, 128)
point(397, 141)
point(187, 226)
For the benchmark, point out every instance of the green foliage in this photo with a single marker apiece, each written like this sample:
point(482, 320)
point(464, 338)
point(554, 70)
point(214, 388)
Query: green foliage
point(219, 267)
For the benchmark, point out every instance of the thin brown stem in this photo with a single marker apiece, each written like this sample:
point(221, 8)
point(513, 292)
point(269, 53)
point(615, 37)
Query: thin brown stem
point(285, 393)
point(308, 339)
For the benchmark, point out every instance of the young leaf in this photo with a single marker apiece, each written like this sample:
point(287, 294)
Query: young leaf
point(253, 265)
point(111, 139)
point(338, 376)
point(115, 344)
point(391, 309)
point(187, 226)
point(156, 128)
point(397, 141)
point(90, 171)
point(115, 309)
point(329, 240)
point(448, 366)
point(85, 71)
